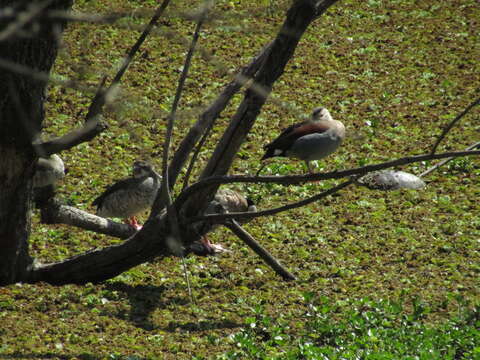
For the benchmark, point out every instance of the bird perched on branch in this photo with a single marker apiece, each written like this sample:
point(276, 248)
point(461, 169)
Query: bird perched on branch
point(128, 197)
point(48, 171)
point(225, 201)
point(309, 140)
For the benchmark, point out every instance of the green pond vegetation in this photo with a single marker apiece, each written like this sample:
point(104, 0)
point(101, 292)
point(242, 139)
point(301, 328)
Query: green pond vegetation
point(381, 275)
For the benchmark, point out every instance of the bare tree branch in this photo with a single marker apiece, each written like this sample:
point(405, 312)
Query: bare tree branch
point(56, 213)
point(443, 162)
point(221, 218)
point(73, 138)
point(298, 179)
point(299, 16)
point(93, 126)
point(452, 124)
point(208, 117)
point(102, 264)
point(164, 193)
point(259, 250)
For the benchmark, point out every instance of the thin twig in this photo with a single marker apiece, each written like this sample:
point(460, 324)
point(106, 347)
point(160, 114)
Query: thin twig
point(165, 193)
point(259, 250)
point(207, 119)
point(187, 279)
point(221, 218)
point(443, 162)
point(452, 123)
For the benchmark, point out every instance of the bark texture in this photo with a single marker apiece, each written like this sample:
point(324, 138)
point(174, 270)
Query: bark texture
point(21, 116)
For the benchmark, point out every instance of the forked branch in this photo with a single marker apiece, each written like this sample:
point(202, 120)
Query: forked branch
point(164, 193)
point(298, 18)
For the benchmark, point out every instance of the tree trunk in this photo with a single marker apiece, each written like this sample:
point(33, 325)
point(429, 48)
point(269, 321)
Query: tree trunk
point(21, 116)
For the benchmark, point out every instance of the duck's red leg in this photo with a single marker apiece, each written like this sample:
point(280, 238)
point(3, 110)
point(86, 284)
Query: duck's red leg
point(212, 248)
point(132, 221)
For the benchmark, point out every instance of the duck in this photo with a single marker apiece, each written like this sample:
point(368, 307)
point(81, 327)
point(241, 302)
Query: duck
point(308, 140)
point(128, 197)
point(225, 201)
point(48, 171)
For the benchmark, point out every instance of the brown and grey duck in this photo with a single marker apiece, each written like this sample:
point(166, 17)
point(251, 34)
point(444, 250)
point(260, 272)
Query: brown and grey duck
point(308, 140)
point(128, 197)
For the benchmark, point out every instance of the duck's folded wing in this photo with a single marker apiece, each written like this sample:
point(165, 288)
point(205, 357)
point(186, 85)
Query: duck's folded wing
point(286, 139)
point(117, 187)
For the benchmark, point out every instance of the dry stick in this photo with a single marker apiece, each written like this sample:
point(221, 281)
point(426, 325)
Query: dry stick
point(443, 162)
point(93, 126)
point(259, 250)
point(449, 127)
